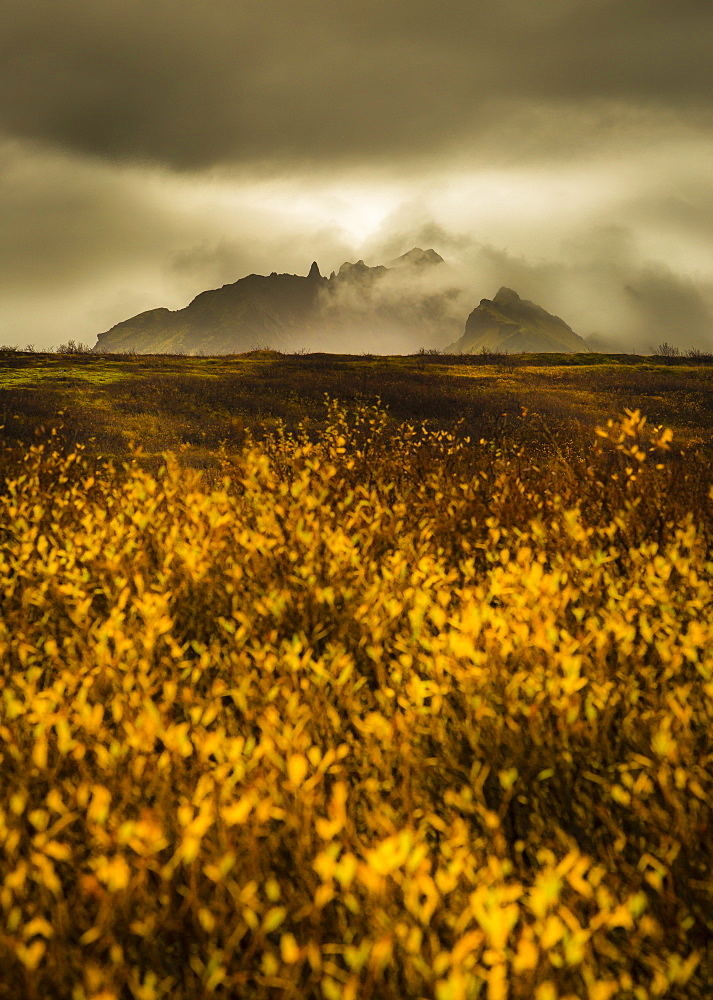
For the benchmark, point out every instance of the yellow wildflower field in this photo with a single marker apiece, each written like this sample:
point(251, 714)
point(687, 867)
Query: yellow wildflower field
point(373, 713)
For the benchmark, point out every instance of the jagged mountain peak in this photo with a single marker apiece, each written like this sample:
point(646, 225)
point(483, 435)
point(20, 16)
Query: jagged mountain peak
point(360, 270)
point(413, 258)
point(506, 296)
point(389, 306)
point(416, 256)
point(514, 325)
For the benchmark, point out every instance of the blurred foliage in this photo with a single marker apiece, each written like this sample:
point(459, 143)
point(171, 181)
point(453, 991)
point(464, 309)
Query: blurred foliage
point(369, 710)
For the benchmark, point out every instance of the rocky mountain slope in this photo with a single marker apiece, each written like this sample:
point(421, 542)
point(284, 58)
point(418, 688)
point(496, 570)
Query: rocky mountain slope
point(513, 325)
point(255, 311)
point(382, 309)
point(387, 309)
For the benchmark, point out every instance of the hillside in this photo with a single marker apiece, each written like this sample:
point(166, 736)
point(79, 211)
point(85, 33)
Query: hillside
point(392, 308)
point(381, 308)
point(254, 310)
point(513, 325)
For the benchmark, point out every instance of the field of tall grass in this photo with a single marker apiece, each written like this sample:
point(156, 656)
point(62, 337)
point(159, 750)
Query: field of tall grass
point(363, 708)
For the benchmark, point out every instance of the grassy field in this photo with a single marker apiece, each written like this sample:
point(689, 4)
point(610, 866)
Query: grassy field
point(308, 698)
point(165, 402)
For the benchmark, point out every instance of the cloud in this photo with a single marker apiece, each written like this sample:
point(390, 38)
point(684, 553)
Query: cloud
point(669, 308)
point(600, 282)
point(191, 85)
point(63, 216)
point(85, 243)
point(152, 150)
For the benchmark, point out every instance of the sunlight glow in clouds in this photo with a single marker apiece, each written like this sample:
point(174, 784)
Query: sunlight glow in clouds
point(148, 152)
point(125, 238)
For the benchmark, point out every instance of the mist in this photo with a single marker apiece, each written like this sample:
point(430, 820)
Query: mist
point(563, 149)
point(88, 244)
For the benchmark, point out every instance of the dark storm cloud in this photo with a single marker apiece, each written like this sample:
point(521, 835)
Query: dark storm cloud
point(62, 217)
point(153, 148)
point(191, 84)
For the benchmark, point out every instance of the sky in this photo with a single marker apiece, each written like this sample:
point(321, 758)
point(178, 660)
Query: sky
point(150, 149)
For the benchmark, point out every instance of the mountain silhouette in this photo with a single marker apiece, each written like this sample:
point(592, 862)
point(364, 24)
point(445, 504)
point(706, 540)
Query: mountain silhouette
point(513, 325)
point(256, 310)
point(286, 312)
point(384, 309)
point(418, 257)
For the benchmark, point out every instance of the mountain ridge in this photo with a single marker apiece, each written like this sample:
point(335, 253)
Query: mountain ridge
point(383, 308)
point(512, 325)
point(277, 309)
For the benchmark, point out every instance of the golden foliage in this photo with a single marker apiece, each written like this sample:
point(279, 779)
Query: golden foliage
point(377, 715)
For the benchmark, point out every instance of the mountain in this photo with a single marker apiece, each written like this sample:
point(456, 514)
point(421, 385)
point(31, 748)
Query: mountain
point(258, 310)
point(381, 307)
point(389, 308)
point(513, 325)
point(418, 257)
